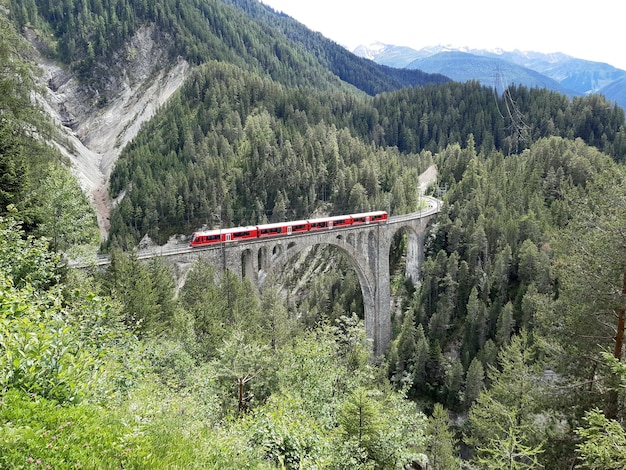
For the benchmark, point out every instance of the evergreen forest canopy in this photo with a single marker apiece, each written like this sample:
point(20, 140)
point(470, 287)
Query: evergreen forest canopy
point(513, 327)
point(235, 147)
point(88, 33)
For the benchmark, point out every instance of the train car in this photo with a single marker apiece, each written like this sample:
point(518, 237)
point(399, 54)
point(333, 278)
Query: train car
point(330, 222)
point(224, 235)
point(369, 217)
point(283, 228)
point(205, 238)
point(240, 233)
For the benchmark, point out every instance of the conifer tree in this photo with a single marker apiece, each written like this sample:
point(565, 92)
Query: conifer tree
point(474, 381)
point(502, 421)
point(442, 446)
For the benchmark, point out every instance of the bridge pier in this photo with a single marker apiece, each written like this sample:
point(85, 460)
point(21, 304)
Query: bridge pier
point(380, 332)
point(366, 246)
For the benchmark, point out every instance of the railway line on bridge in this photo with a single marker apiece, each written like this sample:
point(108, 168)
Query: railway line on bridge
point(367, 246)
point(433, 206)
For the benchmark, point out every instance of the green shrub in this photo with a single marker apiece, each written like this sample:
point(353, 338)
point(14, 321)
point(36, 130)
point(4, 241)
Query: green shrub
point(39, 353)
point(41, 433)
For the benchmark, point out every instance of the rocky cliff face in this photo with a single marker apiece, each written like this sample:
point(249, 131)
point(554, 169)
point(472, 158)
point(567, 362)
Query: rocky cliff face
point(96, 124)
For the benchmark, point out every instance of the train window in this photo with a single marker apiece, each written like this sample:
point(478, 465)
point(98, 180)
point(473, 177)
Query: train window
point(241, 234)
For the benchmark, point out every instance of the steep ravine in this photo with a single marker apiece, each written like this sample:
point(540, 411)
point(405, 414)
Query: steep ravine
point(93, 134)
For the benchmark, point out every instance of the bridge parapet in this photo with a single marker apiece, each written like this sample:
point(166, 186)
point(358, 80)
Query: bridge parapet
point(366, 246)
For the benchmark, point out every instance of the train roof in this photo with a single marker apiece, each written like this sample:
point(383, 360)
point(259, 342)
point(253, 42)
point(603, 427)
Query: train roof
point(363, 214)
point(283, 224)
point(331, 217)
point(224, 230)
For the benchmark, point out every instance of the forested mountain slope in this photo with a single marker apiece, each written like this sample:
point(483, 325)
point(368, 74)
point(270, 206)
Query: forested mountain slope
point(242, 149)
point(363, 74)
point(90, 32)
point(127, 55)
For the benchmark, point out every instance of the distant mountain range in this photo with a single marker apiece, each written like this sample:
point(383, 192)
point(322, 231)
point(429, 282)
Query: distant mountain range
point(499, 69)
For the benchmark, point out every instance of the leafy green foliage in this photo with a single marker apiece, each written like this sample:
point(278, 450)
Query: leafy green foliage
point(146, 292)
point(287, 435)
point(12, 169)
point(39, 432)
point(442, 447)
point(218, 307)
point(310, 373)
point(68, 219)
point(83, 352)
point(359, 419)
point(16, 77)
point(603, 443)
point(36, 431)
point(239, 362)
point(581, 322)
point(40, 354)
point(51, 342)
point(25, 260)
point(384, 442)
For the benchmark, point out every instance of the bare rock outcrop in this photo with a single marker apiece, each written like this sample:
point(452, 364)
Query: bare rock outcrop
point(96, 124)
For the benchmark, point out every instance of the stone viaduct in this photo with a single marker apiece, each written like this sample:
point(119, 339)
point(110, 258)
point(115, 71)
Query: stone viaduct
point(366, 246)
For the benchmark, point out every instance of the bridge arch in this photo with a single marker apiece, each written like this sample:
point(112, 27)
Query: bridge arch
point(366, 282)
point(414, 249)
point(366, 246)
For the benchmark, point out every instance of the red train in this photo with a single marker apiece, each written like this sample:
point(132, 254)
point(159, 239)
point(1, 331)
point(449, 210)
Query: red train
point(284, 228)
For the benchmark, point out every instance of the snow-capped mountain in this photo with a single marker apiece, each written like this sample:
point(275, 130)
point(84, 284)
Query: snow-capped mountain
point(490, 71)
point(555, 71)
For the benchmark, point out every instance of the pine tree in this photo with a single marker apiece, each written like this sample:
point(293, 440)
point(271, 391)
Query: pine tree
point(503, 431)
point(406, 347)
point(442, 446)
point(474, 382)
point(505, 325)
point(360, 419)
point(603, 442)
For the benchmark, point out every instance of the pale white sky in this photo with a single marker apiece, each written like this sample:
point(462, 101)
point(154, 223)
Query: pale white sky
point(593, 30)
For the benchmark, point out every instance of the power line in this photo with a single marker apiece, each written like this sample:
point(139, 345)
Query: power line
point(519, 130)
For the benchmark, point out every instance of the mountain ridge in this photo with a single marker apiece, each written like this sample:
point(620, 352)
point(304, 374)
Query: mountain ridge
point(88, 102)
point(101, 95)
point(490, 71)
point(572, 74)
